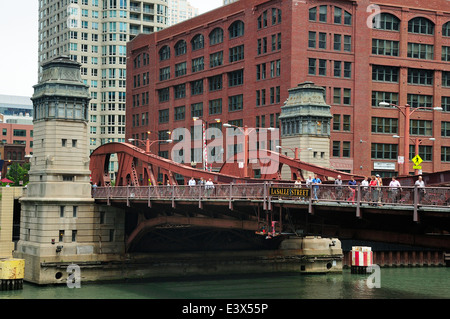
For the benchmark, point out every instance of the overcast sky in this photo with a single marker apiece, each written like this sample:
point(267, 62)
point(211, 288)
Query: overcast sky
point(19, 34)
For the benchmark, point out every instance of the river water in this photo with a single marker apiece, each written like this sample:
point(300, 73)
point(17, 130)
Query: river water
point(392, 283)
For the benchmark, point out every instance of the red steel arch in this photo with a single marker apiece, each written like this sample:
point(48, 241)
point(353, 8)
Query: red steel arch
point(137, 167)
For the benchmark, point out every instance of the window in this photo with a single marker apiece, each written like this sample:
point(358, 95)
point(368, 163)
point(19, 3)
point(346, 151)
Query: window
point(336, 122)
point(235, 103)
point(164, 74)
point(164, 53)
point(385, 73)
point(236, 29)
point(420, 51)
point(336, 148)
point(345, 149)
point(179, 113)
point(180, 69)
point(313, 14)
point(386, 21)
point(215, 82)
point(445, 103)
point(323, 13)
point(336, 95)
point(421, 127)
point(323, 67)
point(389, 97)
point(384, 151)
point(180, 48)
point(179, 91)
point(197, 64)
point(197, 109)
point(385, 47)
point(421, 26)
point(262, 46)
point(419, 100)
point(446, 78)
point(445, 154)
point(384, 125)
point(311, 66)
point(260, 71)
point(337, 42)
point(197, 87)
point(445, 54)
point(235, 78)
point(216, 59)
point(312, 39)
point(446, 29)
point(164, 116)
point(236, 53)
point(215, 106)
point(216, 36)
point(346, 124)
point(420, 77)
point(445, 129)
point(197, 42)
point(163, 95)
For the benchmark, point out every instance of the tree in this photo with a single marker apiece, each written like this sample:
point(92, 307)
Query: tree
point(17, 173)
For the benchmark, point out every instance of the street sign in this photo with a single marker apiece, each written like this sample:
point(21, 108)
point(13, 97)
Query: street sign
point(417, 160)
point(417, 167)
point(401, 160)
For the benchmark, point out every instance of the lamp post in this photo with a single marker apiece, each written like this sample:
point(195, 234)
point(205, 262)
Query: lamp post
point(204, 149)
point(407, 112)
point(295, 150)
point(246, 131)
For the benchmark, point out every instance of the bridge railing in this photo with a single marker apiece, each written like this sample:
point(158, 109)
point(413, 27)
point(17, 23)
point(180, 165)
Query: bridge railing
point(342, 194)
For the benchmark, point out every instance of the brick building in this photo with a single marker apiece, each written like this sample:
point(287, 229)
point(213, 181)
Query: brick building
point(237, 63)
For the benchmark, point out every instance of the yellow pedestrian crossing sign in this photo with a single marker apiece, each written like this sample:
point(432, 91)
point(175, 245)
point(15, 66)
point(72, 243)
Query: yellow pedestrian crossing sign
point(417, 160)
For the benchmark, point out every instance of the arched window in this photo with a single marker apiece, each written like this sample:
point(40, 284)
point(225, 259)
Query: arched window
point(198, 42)
point(216, 36)
point(421, 26)
point(446, 29)
point(386, 21)
point(342, 17)
point(236, 29)
point(164, 53)
point(180, 48)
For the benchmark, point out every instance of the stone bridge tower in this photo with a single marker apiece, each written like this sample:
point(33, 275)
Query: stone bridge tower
point(60, 222)
point(305, 124)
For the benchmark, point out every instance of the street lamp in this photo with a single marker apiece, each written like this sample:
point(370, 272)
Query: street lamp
point(246, 131)
point(204, 149)
point(407, 112)
point(295, 150)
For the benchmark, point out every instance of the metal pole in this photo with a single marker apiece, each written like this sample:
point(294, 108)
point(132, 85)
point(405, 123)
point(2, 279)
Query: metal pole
point(406, 145)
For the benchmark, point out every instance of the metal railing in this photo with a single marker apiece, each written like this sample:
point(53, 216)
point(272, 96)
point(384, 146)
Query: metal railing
point(358, 195)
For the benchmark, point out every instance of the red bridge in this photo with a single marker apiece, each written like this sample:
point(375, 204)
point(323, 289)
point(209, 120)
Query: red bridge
point(412, 216)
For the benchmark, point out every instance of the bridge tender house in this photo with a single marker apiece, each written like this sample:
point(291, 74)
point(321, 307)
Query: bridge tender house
point(289, 192)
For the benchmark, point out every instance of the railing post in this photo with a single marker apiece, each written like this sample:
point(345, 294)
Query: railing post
point(269, 198)
point(128, 195)
point(358, 202)
point(416, 202)
point(230, 203)
point(265, 196)
point(173, 196)
point(149, 203)
point(108, 195)
point(200, 189)
point(310, 209)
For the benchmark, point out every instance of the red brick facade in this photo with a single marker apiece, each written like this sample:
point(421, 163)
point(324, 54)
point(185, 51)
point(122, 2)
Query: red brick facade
point(405, 59)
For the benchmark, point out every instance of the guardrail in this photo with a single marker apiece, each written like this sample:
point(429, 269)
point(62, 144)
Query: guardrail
point(411, 196)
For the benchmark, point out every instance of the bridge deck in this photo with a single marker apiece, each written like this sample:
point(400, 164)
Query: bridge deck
point(430, 199)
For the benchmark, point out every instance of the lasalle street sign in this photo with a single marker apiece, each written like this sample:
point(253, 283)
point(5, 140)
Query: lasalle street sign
point(289, 192)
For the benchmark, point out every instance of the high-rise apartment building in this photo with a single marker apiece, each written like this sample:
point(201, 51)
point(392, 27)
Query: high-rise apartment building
point(180, 10)
point(95, 33)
